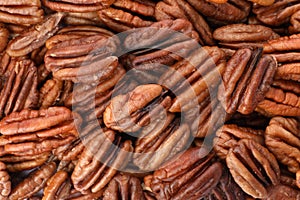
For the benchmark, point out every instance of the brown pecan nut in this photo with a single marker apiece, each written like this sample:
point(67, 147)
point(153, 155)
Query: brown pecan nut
point(5, 184)
point(191, 175)
point(228, 136)
point(89, 18)
point(253, 167)
point(25, 12)
point(260, 2)
point(283, 192)
point(242, 35)
point(298, 179)
point(58, 186)
point(34, 182)
point(131, 111)
point(160, 141)
point(180, 9)
point(34, 37)
point(37, 55)
point(128, 14)
point(19, 88)
point(86, 56)
point(77, 5)
point(278, 13)
point(283, 98)
point(295, 23)
point(31, 132)
point(124, 187)
point(283, 139)
point(4, 34)
point(103, 155)
point(246, 79)
point(22, 163)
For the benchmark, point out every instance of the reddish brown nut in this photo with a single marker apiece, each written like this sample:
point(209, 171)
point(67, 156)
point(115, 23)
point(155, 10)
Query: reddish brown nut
point(103, 155)
point(253, 168)
point(89, 18)
point(180, 9)
point(128, 14)
point(191, 175)
point(124, 187)
point(77, 5)
point(260, 2)
point(34, 37)
point(25, 12)
point(37, 55)
point(5, 184)
point(298, 179)
point(160, 141)
point(19, 91)
point(228, 136)
point(58, 186)
point(4, 34)
point(131, 111)
point(32, 132)
point(283, 192)
point(246, 80)
point(34, 182)
point(22, 163)
point(283, 139)
point(288, 71)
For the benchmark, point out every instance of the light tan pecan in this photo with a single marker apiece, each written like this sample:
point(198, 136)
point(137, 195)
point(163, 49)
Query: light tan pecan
point(229, 134)
point(5, 184)
point(283, 139)
point(35, 36)
point(160, 141)
point(19, 87)
point(246, 80)
point(253, 167)
point(31, 132)
point(124, 187)
point(34, 182)
point(25, 12)
point(127, 14)
point(77, 5)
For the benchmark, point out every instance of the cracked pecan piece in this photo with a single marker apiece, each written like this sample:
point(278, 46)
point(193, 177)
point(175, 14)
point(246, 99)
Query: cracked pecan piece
point(191, 175)
point(34, 37)
point(160, 141)
point(25, 12)
point(228, 135)
point(246, 80)
point(253, 168)
point(103, 155)
point(31, 132)
point(124, 187)
point(180, 9)
point(34, 182)
point(124, 15)
point(19, 85)
point(82, 55)
point(77, 5)
point(5, 184)
point(283, 139)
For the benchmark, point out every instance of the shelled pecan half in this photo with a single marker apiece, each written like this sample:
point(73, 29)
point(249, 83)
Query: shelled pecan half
point(90, 18)
point(34, 182)
point(31, 132)
point(124, 15)
point(246, 79)
point(77, 5)
point(19, 86)
point(124, 187)
point(136, 109)
point(229, 134)
point(160, 141)
point(35, 36)
point(4, 34)
point(283, 139)
point(5, 184)
point(191, 175)
point(103, 155)
point(253, 168)
point(25, 12)
point(260, 2)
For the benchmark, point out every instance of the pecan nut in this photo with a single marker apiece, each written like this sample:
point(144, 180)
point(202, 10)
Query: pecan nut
point(34, 37)
point(124, 187)
point(283, 139)
point(246, 79)
point(253, 168)
point(5, 184)
point(4, 34)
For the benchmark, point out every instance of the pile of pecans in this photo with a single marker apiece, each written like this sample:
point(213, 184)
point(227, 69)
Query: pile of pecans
point(150, 99)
